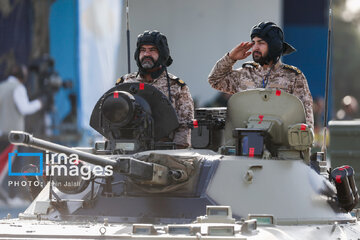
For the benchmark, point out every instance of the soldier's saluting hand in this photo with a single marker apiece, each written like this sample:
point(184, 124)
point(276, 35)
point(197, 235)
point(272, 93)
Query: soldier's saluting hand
point(241, 51)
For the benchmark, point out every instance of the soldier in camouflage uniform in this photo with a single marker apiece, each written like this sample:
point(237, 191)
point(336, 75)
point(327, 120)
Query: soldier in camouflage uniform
point(267, 71)
point(152, 56)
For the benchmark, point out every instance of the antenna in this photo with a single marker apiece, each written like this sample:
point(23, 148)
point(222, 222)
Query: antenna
point(128, 35)
point(328, 57)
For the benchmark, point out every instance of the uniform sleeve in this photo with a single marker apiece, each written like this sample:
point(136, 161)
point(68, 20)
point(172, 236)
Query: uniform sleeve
point(22, 102)
point(223, 78)
point(302, 91)
point(184, 107)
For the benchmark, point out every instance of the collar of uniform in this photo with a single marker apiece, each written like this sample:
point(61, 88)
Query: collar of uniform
point(142, 79)
point(278, 65)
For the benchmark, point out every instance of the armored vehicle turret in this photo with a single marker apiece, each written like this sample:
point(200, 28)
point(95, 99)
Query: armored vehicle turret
point(249, 175)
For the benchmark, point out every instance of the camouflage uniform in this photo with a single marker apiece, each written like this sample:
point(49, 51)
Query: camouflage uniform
point(181, 101)
point(251, 75)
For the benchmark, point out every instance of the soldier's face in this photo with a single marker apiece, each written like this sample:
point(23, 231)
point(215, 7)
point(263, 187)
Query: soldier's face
point(148, 56)
point(260, 49)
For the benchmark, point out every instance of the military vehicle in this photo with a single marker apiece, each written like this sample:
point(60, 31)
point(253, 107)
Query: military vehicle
point(249, 175)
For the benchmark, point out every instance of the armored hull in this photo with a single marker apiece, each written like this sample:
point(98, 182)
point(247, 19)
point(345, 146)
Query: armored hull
point(260, 184)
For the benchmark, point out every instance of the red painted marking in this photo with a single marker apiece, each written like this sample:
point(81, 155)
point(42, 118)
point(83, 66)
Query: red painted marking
point(116, 95)
point(141, 86)
point(278, 93)
point(341, 169)
point(195, 124)
point(303, 127)
point(338, 178)
point(251, 152)
point(4, 159)
point(261, 117)
point(346, 166)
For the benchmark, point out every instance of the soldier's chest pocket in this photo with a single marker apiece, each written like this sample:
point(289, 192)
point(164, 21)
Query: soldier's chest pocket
point(250, 85)
point(278, 86)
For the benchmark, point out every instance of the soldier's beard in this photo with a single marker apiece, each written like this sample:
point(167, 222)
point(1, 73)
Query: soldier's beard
point(259, 58)
point(147, 63)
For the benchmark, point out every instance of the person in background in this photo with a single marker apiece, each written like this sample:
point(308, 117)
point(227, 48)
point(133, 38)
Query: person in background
point(14, 101)
point(14, 106)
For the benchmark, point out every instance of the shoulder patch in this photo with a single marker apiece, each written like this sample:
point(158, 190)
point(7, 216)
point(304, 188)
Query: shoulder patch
point(292, 68)
point(250, 65)
point(179, 81)
point(119, 80)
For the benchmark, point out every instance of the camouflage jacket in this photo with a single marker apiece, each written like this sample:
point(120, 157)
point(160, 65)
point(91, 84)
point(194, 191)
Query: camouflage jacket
point(251, 75)
point(181, 101)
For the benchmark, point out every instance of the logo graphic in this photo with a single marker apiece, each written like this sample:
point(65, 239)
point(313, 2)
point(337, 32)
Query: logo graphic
point(15, 153)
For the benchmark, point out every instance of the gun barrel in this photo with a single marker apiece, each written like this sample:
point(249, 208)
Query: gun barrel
point(26, 139)
point(125, 165)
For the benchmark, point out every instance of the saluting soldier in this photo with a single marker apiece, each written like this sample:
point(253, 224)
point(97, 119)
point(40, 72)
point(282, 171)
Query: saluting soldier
point(152, 56)
point(266, 71)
